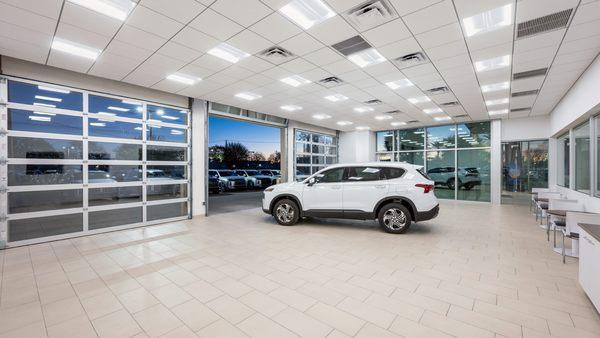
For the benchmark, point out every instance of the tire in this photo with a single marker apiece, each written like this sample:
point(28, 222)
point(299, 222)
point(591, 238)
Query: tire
point(286, 212)
point(450, 184)
point(394, 218)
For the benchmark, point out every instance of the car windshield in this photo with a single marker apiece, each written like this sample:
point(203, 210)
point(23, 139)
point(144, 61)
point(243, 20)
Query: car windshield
point(266, 172)
point(212, 173)
point(227, 173)
point(96, 175)
point(155, 173)
point(240, 172)
point(252, 172)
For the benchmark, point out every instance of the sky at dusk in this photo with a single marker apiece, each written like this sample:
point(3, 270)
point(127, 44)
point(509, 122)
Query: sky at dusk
point(255, 137)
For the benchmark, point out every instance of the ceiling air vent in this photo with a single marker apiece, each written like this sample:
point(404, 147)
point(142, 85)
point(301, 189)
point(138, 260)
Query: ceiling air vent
point(412, 121)
point(370, 14)
point(350, 46)
point(450, 104)
point(410, 60)
point(437, 90)
point(530, 73)
point(525, 93)
point(461, 115)
point(515, 110)
point(544, 24)
point(331, 81)
point(276, 55)
point(391, 112)
point(373, 102)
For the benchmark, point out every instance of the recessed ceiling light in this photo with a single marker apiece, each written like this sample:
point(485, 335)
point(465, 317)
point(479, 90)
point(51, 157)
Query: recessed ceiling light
point(488, 21)
point(383, 117)
point(248, 96)
point(496, 102)
point(442, 118)
point(103, 113)
point(344, 123)
point(398, 123)
point(290, 107)
point(336, 97)
point(420, 99)
point(494, 87)
point(498, 112)
point(44, 113)
point(52, 89)
point(182, 78)
point(493, 63)
point(118, 9)
point(321, 116)
point(363, 127)
point(366, 57)
point(295, 80)
point(44, 104)
point(98, 124)
point(307, 13)
point(48, 98)
point(403, 83)
point(118, 108)
point(40, 118)
point(363, 109)
point(75, 49)
point(432, 110)
point(228, 52)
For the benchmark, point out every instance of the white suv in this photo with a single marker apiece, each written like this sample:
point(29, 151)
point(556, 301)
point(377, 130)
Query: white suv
point(395, 193)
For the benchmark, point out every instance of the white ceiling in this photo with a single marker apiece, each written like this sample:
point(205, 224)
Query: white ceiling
point(163, 37)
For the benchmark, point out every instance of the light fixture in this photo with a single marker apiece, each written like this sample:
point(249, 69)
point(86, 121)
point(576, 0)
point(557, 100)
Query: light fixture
point(118, 9)
point(344, 123)
point(307, 13)
point(75, 49)
point(48, 98)
point(182, 78)
point(432, 110)
point(398, 123)
point(169, 117)
point(420, 99)
point(494, 87)
point(321, 116)
point(290, 107)
point(295, 80)
point(104, 113)
point(228, 53)
point(442, 118)
point(247, 96)
point(138, 128)
point(55, 90)
point(44, 105)
point(44, 113)
point(496, 102)
point(363, 109)
point(98, 124)
point(40, 118)
point(383, 117)
point(336, 97)
point(363, 127)
point(403, 83)
point(488, 21)
point(366, 57)
point(492, 64)
point(135, 103)
point(176, 132)
point(117, 108)
point(498, 112)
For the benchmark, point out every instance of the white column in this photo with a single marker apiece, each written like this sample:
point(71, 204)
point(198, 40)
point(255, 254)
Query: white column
point(199, 156)
point(496, 162)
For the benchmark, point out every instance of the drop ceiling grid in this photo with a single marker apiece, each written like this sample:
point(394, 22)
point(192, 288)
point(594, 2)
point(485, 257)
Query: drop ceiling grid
point(164, 53)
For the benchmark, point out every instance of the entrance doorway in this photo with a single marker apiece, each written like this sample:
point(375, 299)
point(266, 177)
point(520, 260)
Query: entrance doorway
point(524, 166)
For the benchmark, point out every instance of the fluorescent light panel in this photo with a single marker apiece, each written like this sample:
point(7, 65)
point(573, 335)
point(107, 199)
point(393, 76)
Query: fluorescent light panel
point(494, 87)
point(54, 90)
point(44, 104)
point(307, 13)
point(248, 96)
point(321, 116)
point(420, 99)
point(344, 123)
point(117, 108)
point(383, 117)
point(363, 128)
point(432, 110)
point(442, 118)
point(492, 64)
point(182, 78)
point(228, 53)
point(48, 98)
point(498, 112)
point(366, 57)
point(496, 102)
point(76, 49)
point(290, 107)
point(295, 80)
point(488, 21)
point(398, 123)
point(336, 97)
point(117, 9)
point(403, 83)
point(40, 118)
point(363, 109)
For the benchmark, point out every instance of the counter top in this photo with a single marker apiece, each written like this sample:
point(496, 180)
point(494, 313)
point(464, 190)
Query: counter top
point(592, 229)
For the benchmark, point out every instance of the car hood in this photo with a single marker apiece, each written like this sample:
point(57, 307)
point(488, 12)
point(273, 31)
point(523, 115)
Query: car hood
point(285, 185)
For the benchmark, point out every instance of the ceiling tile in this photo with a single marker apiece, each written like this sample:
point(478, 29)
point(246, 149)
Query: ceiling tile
point(179, 52)
point(47, 8)
point(434, 16)
point(245, 12)
point(275, 28)
point(153, 22)
point(400, 48)
point(216, 25)
point(323, 56)
point(387, 33)
point(440, 36)
point(404, 7)
point(249, 42)
point(332, 31)
point(128, 50)
point(81, 36)
point(195, 39)
point(23, 50)
point(68, 61)
point(26, 35)
point(301, 44)
point(89, 20)
point(26, 19)
point(179, 10)
point(139, 38)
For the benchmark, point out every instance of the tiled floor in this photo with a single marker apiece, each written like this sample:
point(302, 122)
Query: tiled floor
point(475, 271)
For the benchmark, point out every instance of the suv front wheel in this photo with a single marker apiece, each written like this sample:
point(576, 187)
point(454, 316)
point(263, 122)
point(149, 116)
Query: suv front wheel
point(394, 218)
point(286, 212)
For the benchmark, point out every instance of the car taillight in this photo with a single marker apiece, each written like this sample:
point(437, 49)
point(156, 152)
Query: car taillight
point(426, 187)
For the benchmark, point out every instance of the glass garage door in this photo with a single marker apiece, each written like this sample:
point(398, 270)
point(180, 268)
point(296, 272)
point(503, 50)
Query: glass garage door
point(313, 152)
point(80, 162)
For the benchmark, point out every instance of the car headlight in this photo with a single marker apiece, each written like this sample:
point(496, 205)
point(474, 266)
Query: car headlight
point(269, 189)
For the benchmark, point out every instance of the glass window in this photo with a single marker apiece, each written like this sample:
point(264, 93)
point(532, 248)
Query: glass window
point(41, 174)
point(441, 137)
point(162, 211)
point(114, 129)
point(385, 157)
point(391, 173)
point(331, 176)
point(303, 148)
point(412, 157)
point(302, 170)
point(313, 152)
point(114, 217)
point(33, 147)
point(103, 173)
point(40, 122)
point(44, 95)
point(166, 191)
point(471, 135)
point(303, 159)
point(597, 168)
point(29, 228)
point(168, 172)
point(582, 158)
point(163, 153)
point(30, 201)
point(168, 115)
point(108, 106)
point(410, 139)
point(385, 141)
point(524, 166)
point(114, 195)
point(440, 169)
point(114, 151)
point(473, 181)
point(564, 170)
point(303, 136)
point(361, 174)
point(166, 134)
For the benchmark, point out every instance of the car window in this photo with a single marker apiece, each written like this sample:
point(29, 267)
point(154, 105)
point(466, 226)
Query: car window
point(241, 173)
point(331, 176)
point(362, 174)
point(391, 173)
point(266, 173)
point(212, 174)
point(227, 173)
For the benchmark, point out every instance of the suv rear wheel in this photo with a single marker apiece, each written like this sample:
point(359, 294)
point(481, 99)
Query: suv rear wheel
point(286, 212)
point(394, 218)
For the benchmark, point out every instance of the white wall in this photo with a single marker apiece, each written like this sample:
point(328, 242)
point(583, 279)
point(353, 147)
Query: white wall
point(529, 128)
point(199, 123)
point(357, 146)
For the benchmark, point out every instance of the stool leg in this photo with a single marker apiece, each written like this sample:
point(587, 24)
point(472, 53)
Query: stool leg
point(554, 244)
point(563, 247)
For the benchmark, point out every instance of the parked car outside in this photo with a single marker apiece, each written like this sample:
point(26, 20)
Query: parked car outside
point(231, 180)
point(262, 181)
point(215, 186)
point(444, 176)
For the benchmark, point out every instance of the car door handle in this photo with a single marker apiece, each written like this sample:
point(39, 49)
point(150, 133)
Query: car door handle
point(336, 187)
point(380, 186)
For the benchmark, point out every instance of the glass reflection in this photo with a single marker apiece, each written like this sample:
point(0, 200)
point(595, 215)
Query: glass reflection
point(166, 191)
point(563, 145)
point(582, 158)
point(410, 139)
point(166, 134)
point(385, 141)
point(44, 96)
point(29, 228)
point(441, 170)
point(31, 147)
point(42, 122)
point(471, 135)
point(108, 106)
point(524, 166)
point(102, 173)
point(163, 211)
point(114, 129)
point(115, 217)
point(114, 195)
point(474, 175)
point(441, 137)
point(41, 174)
point(166, 172)
point(162, 153)
point(30, 201)
point(114, 151)
point(168, 115)
point(414, 157)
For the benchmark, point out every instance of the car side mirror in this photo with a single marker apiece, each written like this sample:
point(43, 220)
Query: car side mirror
point(311, 181)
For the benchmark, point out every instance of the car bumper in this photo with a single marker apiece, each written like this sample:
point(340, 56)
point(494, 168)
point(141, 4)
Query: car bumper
point(427, 215)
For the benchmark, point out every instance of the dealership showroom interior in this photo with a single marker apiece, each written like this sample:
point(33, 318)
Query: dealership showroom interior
point(299, 168)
